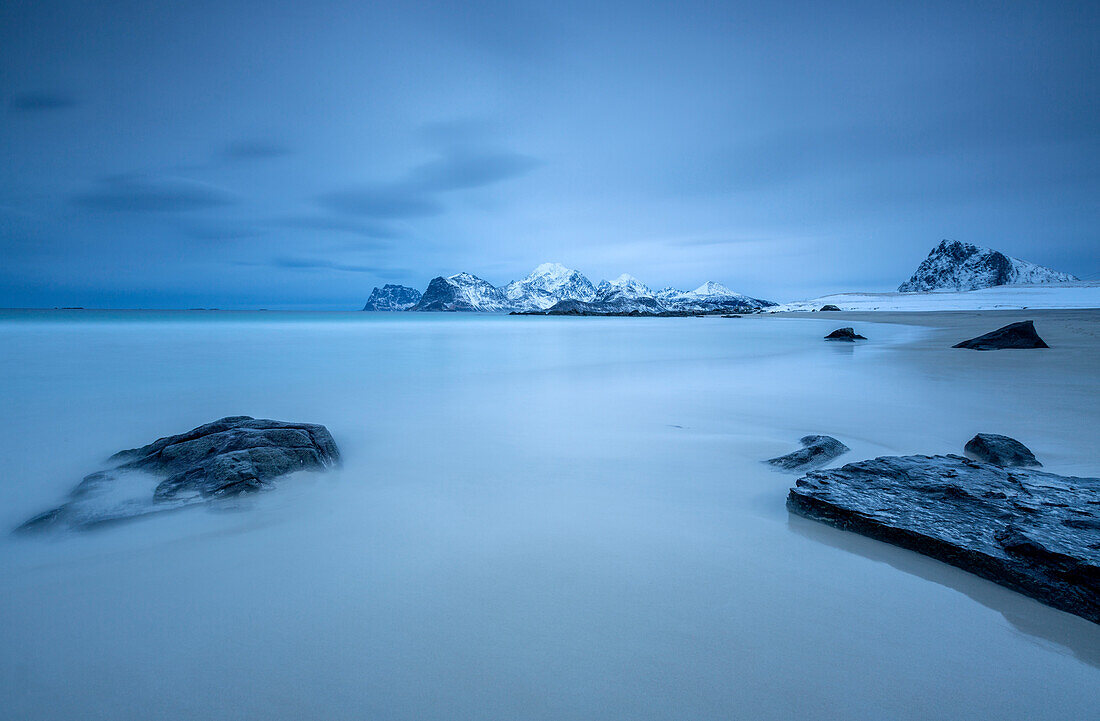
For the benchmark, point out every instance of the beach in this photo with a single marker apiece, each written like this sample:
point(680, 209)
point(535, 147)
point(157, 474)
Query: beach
point(536, 517)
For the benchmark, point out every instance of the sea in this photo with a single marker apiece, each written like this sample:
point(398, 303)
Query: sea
point(535, 518)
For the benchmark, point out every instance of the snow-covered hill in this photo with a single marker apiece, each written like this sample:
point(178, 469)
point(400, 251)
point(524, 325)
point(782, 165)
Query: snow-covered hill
point(462, 292)
point(708, 296)
point(625, 286)
point(392, 298)
point(548, 284)
point(551, 284)
point(963, 266)
point(1080, 294)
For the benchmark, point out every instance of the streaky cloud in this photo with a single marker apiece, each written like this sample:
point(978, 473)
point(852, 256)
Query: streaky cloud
point(367, 229)
point(297, 263)
point(42, 102)
point(219, 231)
point(382, 201)
point(469, 170)
point(143, 194)
point(254, 149)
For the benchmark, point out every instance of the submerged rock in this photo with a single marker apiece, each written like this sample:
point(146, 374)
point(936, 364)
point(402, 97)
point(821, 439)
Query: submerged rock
point(1013, 335)
point(1035, 532)
point(845, 334)
point(816, 451)
point(228, 457)
point(1000, 450)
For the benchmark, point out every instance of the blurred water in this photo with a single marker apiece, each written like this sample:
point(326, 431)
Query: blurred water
point(537, 518)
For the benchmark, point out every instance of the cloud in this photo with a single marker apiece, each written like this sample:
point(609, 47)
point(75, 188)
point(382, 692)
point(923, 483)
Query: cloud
point(296, 263)
point(144, 194)
point(469, 170)
point(219, 230)
point(382, 201)
point(254, 149)
point(417, 194)
point(366, 229)
point(41, 102)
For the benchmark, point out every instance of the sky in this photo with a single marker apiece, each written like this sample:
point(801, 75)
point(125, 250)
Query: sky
point(295, 154)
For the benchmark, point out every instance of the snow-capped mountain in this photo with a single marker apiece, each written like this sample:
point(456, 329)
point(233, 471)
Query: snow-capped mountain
point(627, 294)
point(708, 296)
point(962, 266)
point(554, 288)
point(548, 284)
point(392, 298)
point(462, 292)
point(626, 286)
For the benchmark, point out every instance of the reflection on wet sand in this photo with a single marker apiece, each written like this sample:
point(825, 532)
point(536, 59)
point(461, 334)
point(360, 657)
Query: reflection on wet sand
point(1065, 631)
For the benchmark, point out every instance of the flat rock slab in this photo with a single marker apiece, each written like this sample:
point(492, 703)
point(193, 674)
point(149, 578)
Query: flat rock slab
point(816, 452)
point(845, 334)
point(229, 457)
point(1035, 532)
point(1000, 451)
point(1013, 335)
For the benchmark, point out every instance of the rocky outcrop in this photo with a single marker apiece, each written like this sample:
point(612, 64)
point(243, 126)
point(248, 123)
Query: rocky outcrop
point(829, 307)
point(392, 298)
point(963, 266)
point(1035, 532)
point(1013, 335)
point(1000, 451)
point(461, 292)
point(228, 457)
point(816, 452)
point(845, 334)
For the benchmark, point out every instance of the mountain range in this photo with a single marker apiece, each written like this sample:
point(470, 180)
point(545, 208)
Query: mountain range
point(553, 288)
point(963, 266)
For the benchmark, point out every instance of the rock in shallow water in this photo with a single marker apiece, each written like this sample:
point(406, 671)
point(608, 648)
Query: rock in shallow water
point(845, 334)
point(1000, 450)
point(1035, 532)
point(815, 453)
point(228, 457)
point(1013, 335)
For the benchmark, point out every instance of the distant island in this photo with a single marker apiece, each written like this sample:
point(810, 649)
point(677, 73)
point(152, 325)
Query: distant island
point(553, 289)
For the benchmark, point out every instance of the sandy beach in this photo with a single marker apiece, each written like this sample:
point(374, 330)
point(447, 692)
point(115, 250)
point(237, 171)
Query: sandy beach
point(536, 518)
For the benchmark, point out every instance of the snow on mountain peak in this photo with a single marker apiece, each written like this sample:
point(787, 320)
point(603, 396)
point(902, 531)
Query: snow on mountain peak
point(964, 266)
point(627, 285)
point(552, 283)
point(711, 288)
point(548, 284)
point(550, 270)
point(392, 298)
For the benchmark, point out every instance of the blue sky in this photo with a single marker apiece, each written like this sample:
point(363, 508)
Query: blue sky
point(278, 154)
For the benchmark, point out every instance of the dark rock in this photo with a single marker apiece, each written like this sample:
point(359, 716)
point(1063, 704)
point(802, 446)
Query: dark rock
point(829, 306)
point(1035, 532)
point(228, 457)
point(1013, 335)
point(1000, 450)
point(816, 452)
point(845, 334)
